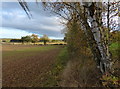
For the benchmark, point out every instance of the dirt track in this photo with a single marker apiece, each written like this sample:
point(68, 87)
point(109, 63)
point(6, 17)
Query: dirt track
point(27, 68)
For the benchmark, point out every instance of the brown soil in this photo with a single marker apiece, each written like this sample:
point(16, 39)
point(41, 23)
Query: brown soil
point(24, 71)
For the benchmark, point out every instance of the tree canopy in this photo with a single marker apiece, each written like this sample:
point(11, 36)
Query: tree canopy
point(44, 39)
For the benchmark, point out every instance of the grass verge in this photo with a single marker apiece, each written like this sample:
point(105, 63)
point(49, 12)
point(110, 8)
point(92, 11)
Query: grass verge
point(53, 76)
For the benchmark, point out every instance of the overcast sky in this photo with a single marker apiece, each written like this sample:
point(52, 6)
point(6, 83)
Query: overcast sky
point(15, 22)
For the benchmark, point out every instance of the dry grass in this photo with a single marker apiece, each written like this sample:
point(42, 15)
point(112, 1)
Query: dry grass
point(80, 72)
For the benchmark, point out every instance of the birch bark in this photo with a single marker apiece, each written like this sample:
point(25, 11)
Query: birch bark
point(95, 25)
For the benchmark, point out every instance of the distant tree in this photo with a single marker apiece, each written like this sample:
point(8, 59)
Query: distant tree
point(44, 39)
point(26, 39)
point(55, 40)
point(34, 38)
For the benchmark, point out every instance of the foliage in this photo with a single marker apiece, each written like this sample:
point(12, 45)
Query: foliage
point(75, 38)
point(115, 46)
point(26, 39)
point(110, 81)
point(54, 40)
point(44, 39)
point(115, 36)
point(34, 38)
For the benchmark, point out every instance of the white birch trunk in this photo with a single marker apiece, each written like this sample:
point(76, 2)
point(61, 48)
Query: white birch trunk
point(97, 35)
point(104, 64)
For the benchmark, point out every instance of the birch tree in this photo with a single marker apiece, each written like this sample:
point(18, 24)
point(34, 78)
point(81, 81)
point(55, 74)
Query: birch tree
point(89, 15)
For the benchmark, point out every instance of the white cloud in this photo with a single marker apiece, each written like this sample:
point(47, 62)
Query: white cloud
point(12, 33)
point(13, 16)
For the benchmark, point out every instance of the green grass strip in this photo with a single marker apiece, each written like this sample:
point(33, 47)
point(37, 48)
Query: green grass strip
point(54, 75)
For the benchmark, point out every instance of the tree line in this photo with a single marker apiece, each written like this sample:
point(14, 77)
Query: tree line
point(32, 38)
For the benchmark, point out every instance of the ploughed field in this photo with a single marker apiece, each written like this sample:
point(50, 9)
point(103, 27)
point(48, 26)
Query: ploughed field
point(26, 65)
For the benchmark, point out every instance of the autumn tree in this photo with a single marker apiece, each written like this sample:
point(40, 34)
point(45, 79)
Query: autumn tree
point(34, 38)
point(26, 39)
point(44, 39)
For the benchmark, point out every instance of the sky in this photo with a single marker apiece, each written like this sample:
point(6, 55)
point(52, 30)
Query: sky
point(15, 22)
